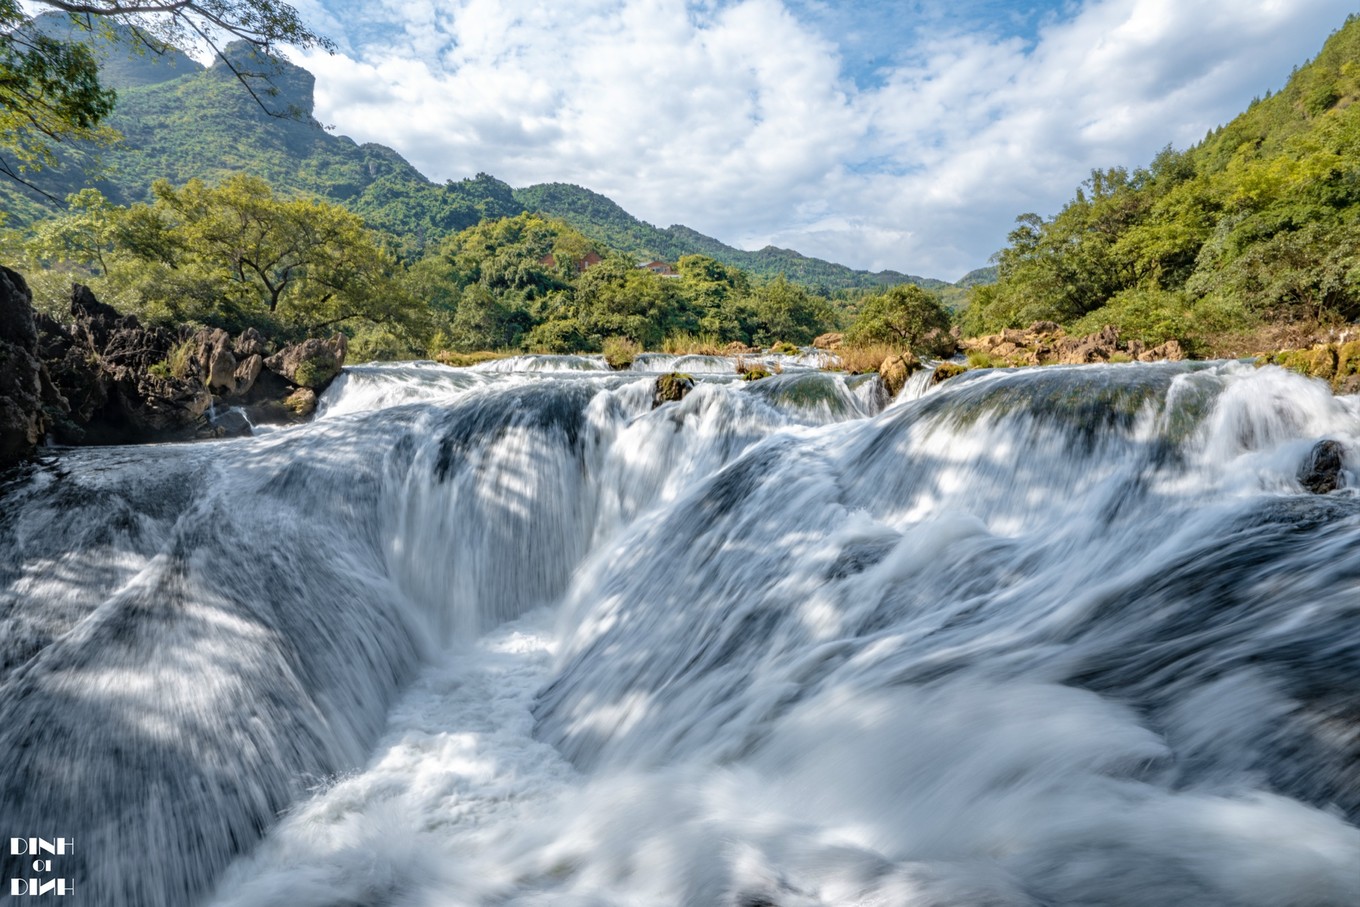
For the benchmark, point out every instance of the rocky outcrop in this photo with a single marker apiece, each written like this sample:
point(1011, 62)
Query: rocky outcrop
point(311, 363)
point(105, 378)
point(27, 397)
point(1336, 363)
point(1321, 471)
point(1045, 343)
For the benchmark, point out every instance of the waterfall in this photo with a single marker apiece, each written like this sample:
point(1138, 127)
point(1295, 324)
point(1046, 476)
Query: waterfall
point(511, 635)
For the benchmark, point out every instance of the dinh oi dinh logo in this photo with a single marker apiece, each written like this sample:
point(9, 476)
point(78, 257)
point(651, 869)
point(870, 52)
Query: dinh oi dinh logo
point(43, 865)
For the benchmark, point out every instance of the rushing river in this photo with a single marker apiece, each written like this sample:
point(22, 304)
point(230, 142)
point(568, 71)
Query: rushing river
point(512, 636)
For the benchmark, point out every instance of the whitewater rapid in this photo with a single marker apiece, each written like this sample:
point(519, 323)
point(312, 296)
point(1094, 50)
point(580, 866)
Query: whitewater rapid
point(510, 635)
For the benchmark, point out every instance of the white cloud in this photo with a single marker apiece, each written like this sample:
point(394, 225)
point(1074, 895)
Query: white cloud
point(738, 118)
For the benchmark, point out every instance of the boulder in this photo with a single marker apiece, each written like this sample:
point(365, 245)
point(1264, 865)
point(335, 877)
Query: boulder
point(671, 388)
point(894, 371)
point(301, 402)
point(246, 373)
point(1170, 351)
point(1321, 470)
point(250, 343)
point(311, 363)
point(831, 341)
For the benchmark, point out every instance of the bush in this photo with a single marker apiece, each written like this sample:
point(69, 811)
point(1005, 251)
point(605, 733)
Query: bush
point(1150, 315)
point(620, 352)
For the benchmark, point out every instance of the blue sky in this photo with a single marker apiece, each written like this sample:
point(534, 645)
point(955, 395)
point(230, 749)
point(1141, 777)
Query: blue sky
point(903, 135)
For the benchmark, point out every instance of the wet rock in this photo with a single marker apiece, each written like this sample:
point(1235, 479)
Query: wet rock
point(1321, 471)
point(311, 363)
point(671, 388)
point(946, 370)
point(230, 424)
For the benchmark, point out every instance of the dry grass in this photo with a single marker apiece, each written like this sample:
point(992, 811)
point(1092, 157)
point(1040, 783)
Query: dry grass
point(860, 360)
point(687, 344)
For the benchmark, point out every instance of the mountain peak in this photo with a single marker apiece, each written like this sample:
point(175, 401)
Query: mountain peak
point(280, 86)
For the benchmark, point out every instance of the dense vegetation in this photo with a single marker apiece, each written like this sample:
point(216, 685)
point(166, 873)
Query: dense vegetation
point(238, 255)
point(1256, 227)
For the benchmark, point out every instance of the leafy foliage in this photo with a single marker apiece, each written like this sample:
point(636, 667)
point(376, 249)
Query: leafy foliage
point(905, 316)
point(1258, 223)
point(232, 255)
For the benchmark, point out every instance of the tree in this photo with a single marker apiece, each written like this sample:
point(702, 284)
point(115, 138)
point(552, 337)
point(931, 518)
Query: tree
point(49, 88)
point(904, 316)
point(230, 253)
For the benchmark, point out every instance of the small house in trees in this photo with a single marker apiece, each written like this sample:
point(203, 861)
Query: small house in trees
point(662, 268)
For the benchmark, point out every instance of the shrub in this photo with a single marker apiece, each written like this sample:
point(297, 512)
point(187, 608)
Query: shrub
point(620, 352)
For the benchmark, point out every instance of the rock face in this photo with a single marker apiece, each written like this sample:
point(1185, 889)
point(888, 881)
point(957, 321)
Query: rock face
point(104, 378)
point(1321, 471)
point(27, 396)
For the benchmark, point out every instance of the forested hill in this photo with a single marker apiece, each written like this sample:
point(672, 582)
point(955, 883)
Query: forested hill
point(1253, 231)
point(604, 221)
point(182, 121)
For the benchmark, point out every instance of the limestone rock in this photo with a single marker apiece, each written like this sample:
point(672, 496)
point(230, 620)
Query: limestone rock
point(895, 370)
point(831, 341)
point(311, 363)
point(301, 402)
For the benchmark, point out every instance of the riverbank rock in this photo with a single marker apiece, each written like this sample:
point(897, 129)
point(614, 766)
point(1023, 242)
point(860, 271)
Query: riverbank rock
point(830, 342)
point(105, 378)
point(1045, 343)
point(894, 371)
point(1321, 471)
point(28, 398)
point(311, 363)
point(1336, 363)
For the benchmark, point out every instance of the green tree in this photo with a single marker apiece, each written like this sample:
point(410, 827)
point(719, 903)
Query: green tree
point(904, 316)
point(234, 253)
point(781, 310)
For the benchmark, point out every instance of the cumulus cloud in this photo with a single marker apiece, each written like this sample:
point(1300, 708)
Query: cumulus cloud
point(750, 120)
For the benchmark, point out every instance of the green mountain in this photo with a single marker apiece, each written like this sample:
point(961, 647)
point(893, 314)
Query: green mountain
point(604, 221)
point(250, 114)
point(1249, 239)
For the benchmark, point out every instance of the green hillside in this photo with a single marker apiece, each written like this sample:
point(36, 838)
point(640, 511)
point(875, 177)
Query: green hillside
point(604, 221)
point(1247, 240)
point(181, 121)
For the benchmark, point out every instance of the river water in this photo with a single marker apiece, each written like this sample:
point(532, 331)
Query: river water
point(510, 635)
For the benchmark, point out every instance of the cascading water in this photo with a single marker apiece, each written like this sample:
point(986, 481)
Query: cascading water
point(511, 636)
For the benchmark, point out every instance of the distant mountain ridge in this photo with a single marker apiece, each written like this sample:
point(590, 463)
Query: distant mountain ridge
point(181, 120)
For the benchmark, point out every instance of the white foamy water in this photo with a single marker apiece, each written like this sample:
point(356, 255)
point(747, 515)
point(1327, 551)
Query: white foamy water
point(511, 636)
